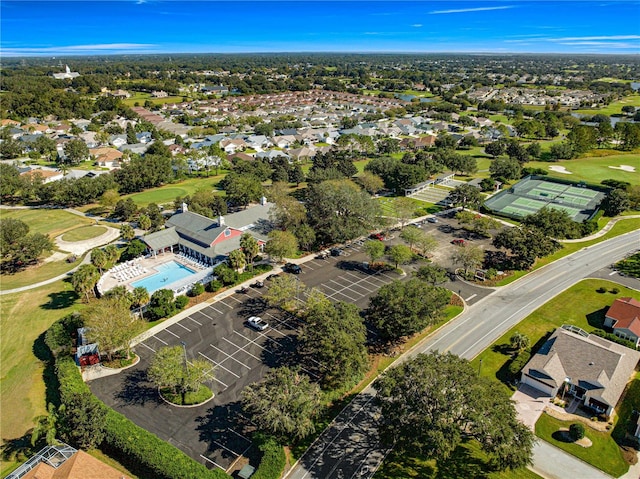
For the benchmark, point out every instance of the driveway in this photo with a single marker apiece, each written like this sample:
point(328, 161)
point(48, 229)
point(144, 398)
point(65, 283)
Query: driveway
point(529, 404)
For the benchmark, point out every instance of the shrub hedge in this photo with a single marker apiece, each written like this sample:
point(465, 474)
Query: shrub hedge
point(517, 363)
point(273, 458)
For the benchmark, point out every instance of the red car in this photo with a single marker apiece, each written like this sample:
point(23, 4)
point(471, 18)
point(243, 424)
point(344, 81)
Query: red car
point(377, 236)
point(458, 242)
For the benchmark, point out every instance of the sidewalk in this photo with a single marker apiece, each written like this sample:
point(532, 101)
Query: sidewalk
point(602, 232)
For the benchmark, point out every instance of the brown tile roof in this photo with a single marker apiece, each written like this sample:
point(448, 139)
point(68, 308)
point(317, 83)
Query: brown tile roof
point(105, 154)
point(626, 314)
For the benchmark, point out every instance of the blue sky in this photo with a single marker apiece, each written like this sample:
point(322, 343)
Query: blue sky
point(52, 28)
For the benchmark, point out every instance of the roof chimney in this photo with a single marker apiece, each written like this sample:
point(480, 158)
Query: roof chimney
point(263, 200)
point(184, 207)
point(220, 220)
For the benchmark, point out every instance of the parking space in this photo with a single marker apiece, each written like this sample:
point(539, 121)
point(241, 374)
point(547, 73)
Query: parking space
point(217, 434)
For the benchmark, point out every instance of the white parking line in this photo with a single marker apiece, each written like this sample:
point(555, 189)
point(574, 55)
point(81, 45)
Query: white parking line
point(182, 326)
point(163, 342)
point(235, 299)
point(612, 273)
point(306, 265)
point(215, 309)
point(226, 448)
point(219, 365)
point(253, 342)
point(212, 462)
point(230, 356)
point(471, 297)
point(239, 435)
point(198, 323)
point(171, 333)
point(148, 347)
point(224, 304)
point(241, 348)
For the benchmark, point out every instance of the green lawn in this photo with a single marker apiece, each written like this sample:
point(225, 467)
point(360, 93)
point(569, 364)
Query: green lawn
point(51, 222)
point(594, 169)
point(580, 305)
point(422, 207)
point(604, 453)
point(140, 98)
point(84, 233)
point(35, 274)
point(614, 107)
point(467, 461)
point(25, 316)
point(629, 403)
point(168, 193)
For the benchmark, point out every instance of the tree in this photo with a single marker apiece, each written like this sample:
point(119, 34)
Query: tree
point(338, 210)
point(284, 403)
point(112, 253)
point(10, 180)
point(470, 257)
point(237, 260)
point(46, 427)
point(576, 431)
point(505, 169)
point(144, 222)
point(283, 292)
point(582, 138)
point(84, 280)
point(404, 308)
point(131, 134)
point(466, 196)
point(110, 324)
point(18, 248)
point(553, 222)
point(140, 297)
point(332, 341)
point(411, 234)
point(125, 209)
point(616, 202)
point(403, 210)
point(281, 244)
point(495, 149)
point(296, 175)
point(526, 244)
point(370, 183)
point(519, 341)
point(242, 189)
point(84, 420)
point(127, 232)
point(134, 249)
point(305, 235)
point(161, 304)
point(98, 259)
point(400, 254)
point(170, 369)
point(427, 411)
point(109, 198)
point(250, 247)
point(287, 212)
point(76, 151)
point(432, 274)
point(374, 249)
point(561, 151)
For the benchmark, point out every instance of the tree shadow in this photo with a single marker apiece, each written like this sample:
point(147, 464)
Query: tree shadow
point(253, 307)
point(562, 436)
point(49, 376)
point(60, 300)
point(283, 352)
point(137, 389)
point(462, 463)
point(18, 449)
point(348, 265)
point(596, 318)
point(504, 349)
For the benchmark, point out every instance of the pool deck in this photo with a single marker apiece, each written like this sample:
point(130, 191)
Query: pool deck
point(109, 280)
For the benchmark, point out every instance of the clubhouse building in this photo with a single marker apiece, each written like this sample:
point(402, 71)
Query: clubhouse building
point(206, 240)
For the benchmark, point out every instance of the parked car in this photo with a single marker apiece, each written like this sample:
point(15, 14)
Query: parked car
point(257, 284)
point(432, 219)
point(272, 276)
point(323, 255)
point(336, 252)
point(459, 242)
point(292, 268)
point(377, 236)
point(244, 289)
point(257, 323)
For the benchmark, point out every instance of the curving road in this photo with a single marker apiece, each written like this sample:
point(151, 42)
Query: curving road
point(350, 447)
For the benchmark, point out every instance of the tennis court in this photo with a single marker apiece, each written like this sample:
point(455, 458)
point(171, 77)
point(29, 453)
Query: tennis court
point(533, 193)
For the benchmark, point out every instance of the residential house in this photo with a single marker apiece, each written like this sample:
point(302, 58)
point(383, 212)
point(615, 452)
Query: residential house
point(7, 122)
point(302, 154)
point(210, 240)
point(231, 146)
point(258, 142)
point(624, 318)
point(47, 175)
point(589, 368)
point(106, 157)
point(137, 148)
point(89, 137)
point(144, 137)
point(118, 140)
point(240, 156)
point(159, 94)
point(283, 141)
point(272, 155)
point(64, 462)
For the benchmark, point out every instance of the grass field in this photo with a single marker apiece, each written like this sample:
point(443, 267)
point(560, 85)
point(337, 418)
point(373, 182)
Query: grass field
point(614, 107)
point(594, 169)
point(580, 305)
point(422, 207)
point(51, 222)
point(168, 193)
point(140, 98)
point(84, 233)
point(604, 453)
point(25, 316)
point(35, 274)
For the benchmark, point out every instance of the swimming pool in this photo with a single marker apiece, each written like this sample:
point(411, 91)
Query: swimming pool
point(167, 274)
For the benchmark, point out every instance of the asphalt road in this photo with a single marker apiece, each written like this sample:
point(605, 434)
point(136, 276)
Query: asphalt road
point(350, 447)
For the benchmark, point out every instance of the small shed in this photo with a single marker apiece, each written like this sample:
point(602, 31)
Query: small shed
point(246, 472)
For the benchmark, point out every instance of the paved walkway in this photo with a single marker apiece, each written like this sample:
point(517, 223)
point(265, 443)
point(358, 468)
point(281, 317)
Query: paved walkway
point(602, 232)
point(87, 259)
point(553, 463)
point(81, 247)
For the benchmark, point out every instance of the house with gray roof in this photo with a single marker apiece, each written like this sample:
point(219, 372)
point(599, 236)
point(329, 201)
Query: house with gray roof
point(592, 369)
point(207, 239)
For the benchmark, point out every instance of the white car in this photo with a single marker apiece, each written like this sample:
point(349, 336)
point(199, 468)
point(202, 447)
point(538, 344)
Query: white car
point(257, 323)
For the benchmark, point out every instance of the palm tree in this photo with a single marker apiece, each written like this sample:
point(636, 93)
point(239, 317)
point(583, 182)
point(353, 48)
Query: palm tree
point(140, 298)
point(84, 279)
point(46, 426)
point(250, 247)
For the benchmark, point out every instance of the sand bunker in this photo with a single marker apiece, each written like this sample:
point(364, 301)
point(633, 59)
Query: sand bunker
point(631, 169)
point(560, 169)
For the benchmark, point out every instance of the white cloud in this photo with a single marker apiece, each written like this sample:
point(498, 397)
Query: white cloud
point(601, 44)
point(417, 25)
point(79, 49)
point(465, 10)
point(602, 37)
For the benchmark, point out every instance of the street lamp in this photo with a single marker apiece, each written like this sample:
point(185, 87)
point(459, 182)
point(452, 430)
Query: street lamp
point(184, 348)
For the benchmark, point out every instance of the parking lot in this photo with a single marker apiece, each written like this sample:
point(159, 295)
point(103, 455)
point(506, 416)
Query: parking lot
point(217, 433)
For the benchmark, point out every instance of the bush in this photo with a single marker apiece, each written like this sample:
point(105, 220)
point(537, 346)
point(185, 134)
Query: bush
point(517, 363)
point(273, 458)
point(197, 289)
point(215, 285)
point(614, 339)
point(181, 302)
point(601, 289)
point(614, 291)
point(576, 431)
